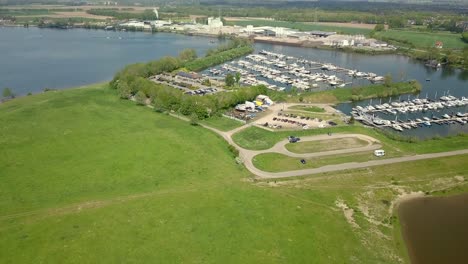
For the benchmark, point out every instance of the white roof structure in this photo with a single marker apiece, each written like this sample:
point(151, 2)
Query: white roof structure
point(215, 22)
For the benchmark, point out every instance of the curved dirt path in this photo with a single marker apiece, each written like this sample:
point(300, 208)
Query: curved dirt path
point(372, 144)
point(247, 155)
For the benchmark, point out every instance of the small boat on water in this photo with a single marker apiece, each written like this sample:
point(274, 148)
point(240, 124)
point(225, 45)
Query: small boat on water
point(397, 127)
point(405, 126)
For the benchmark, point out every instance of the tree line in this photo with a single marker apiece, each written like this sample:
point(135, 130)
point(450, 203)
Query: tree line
point(133, 82)
point(145, 15)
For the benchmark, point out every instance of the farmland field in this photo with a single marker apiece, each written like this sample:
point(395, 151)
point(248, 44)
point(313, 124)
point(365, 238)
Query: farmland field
point(425, 39)
point(89, 178)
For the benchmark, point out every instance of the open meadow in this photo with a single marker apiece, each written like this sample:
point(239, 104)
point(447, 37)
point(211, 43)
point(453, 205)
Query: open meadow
point(90, 178)
point(424, 39)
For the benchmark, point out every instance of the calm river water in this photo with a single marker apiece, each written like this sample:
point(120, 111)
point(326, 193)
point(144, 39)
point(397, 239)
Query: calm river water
point(32, 59)
point(435, 229)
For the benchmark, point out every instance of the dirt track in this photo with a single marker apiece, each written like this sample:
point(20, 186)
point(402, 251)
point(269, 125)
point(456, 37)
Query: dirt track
point(247, 155)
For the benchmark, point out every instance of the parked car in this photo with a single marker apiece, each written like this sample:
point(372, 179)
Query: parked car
point(293, 139)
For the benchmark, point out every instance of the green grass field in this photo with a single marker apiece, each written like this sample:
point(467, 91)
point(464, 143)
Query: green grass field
point(222, 123)
point(275, 162)
point(89, 178)
point(255, 138)
point(425, 39)
point(325, 145)
point(350, 94)
point(301, 26)
point(313, 109)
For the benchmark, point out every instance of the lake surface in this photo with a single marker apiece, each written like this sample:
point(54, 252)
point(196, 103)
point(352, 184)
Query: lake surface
point(435, 229)
point(32, 59)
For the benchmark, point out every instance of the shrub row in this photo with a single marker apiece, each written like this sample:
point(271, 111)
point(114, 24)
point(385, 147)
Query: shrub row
point(132, 81)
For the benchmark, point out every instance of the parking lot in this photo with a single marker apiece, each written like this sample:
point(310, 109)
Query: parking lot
point(190, 86)
point(280, 117)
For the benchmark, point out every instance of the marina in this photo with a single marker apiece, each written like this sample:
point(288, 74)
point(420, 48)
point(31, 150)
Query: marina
point(281, 72)
point(445, 107)
point(115, 49)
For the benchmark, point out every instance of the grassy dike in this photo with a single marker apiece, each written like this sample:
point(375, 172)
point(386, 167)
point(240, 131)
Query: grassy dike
point(87, 177)
point(340, 95)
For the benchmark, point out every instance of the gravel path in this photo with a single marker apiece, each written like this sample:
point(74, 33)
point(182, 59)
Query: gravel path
point(247, 155)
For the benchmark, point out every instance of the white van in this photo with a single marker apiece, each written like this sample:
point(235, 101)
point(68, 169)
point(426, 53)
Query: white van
point(379, 152)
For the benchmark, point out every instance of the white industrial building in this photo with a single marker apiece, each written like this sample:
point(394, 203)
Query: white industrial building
point(215, 22)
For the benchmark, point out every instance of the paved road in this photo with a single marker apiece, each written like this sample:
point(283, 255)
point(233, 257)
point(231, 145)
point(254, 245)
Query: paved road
point(247, 155)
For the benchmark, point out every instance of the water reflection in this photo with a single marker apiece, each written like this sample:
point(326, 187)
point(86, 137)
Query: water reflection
point(435, 229)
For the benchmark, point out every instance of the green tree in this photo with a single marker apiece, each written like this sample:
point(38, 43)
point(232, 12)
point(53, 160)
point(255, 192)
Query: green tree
point(140, 98)
point(379, 27)
point(124, 90)
point(238, 77)
point(230, 80)
point(388, 80)
point(194, 119)
point(206, 82)
point(7, 93)
point(396, 23)
point(464, 36)
point(188, 55)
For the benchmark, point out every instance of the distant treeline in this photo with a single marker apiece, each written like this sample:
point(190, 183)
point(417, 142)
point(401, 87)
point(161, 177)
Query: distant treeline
point(145, 15)
point(394, 18)
point(234, 49)
point(133, 81)
point(459, 6)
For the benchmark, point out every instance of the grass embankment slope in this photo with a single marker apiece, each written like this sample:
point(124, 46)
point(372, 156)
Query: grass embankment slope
point(89, 178)
point(339, 95)
point(222, 123)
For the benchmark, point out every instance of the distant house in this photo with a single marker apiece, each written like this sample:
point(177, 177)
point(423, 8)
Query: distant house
point(379, 44)
point(463, 25)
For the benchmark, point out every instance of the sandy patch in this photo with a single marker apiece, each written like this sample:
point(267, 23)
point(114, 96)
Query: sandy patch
point(404, 197)
point(347, 212)
point(459, 178)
